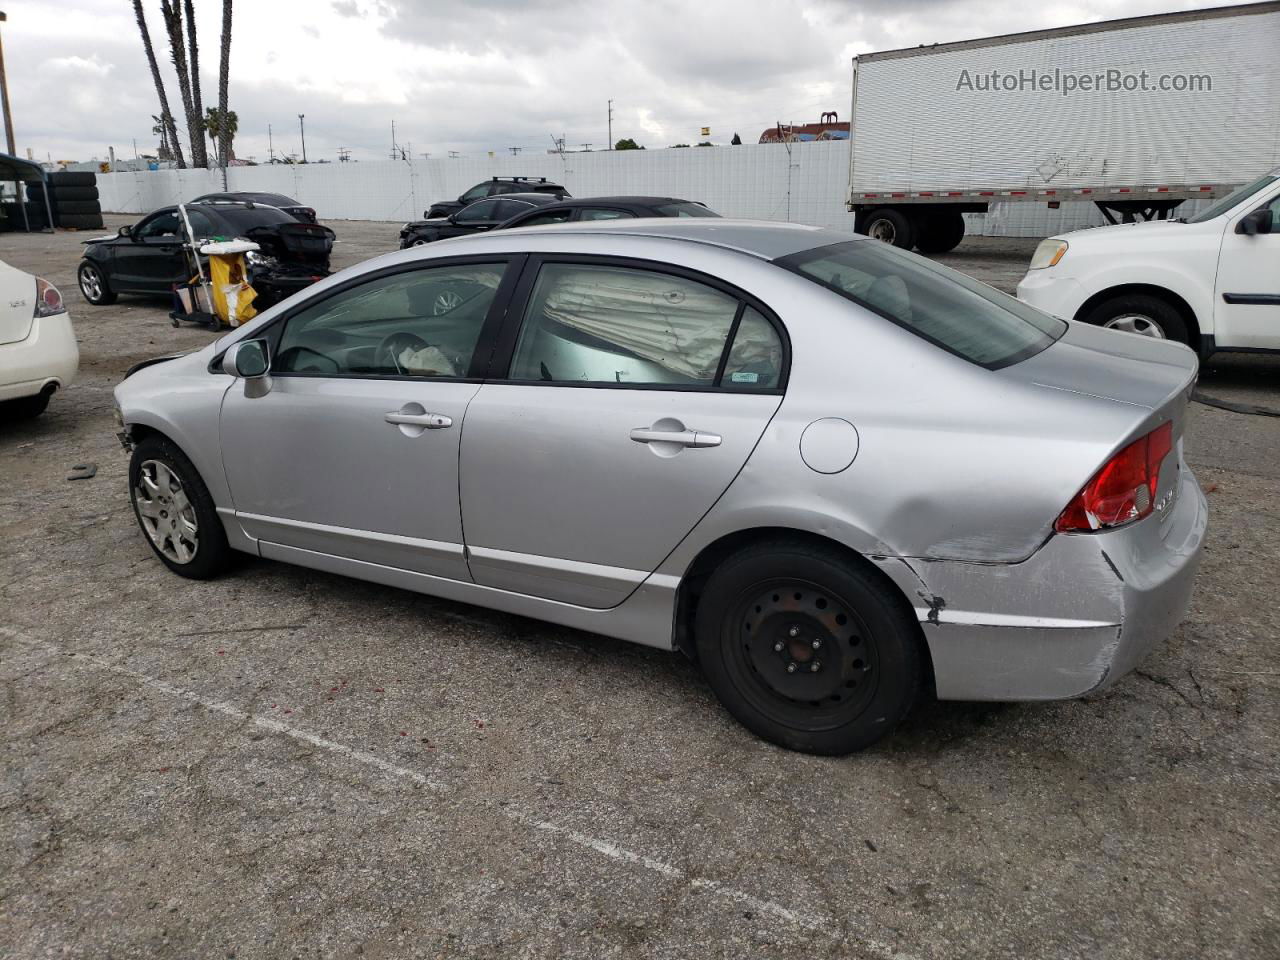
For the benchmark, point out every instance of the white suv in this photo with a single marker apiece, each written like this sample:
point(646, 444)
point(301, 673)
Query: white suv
point(1211, 282)
point(38, 352)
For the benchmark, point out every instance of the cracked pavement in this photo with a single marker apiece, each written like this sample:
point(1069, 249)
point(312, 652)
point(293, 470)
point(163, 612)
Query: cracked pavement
point(282, 763)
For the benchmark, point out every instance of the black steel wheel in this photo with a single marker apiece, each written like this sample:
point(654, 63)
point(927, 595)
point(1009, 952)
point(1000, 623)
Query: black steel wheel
point(806, 649)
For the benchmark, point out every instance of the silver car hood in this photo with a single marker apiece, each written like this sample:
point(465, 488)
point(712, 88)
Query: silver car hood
point(1111, 365)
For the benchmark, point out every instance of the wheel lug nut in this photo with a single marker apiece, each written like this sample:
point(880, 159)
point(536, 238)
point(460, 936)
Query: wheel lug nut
point(817, 644)
point(791, 667)
point(815, 666)
point(777, 647)
point(793, 632)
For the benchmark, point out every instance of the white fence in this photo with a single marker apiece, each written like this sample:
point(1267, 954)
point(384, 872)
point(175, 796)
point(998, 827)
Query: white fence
point(757, 181)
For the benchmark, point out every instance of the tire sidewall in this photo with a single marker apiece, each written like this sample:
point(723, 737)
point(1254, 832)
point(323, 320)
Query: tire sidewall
point(1162, 314)
point(84, 267)
point(895, 635)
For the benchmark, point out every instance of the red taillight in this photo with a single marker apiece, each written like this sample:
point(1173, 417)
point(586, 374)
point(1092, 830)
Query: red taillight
point(1124, 490)
point(48, 299)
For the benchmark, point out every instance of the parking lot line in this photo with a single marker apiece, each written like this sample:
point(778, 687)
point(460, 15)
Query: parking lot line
point(607, 848)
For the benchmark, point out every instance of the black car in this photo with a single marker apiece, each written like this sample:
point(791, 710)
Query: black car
point(473, 218)
point(608, 208)
point(151, 257)
point(495, 187)
point(287, 204)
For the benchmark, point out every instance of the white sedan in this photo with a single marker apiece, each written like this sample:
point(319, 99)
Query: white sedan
point(38, 352)
point(1211, 282)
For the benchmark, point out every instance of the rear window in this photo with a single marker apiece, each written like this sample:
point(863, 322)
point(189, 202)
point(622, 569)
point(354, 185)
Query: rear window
point(684, 209)
point(943, 306)
point(244, 218)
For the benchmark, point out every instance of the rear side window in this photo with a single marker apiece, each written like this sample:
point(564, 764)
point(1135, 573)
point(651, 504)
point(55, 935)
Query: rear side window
point(622, 325)
point(602, 213)
point(684, 209)
point(553, 216)
point(950, 310)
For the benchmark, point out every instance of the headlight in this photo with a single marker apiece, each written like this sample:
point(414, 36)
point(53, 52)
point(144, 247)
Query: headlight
point(1048, 254)
point(254, 258)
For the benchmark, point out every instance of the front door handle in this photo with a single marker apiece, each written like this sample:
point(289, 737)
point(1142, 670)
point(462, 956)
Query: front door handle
point(685, 438)
point(432, 421)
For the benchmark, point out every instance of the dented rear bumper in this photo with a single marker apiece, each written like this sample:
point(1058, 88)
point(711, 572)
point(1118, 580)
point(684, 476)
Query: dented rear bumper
point(1073, 618)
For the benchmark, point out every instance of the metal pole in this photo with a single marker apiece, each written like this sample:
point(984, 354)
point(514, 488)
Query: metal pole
point(271, 145)
point(4, 99)
point(610, 124)
point(302, 128)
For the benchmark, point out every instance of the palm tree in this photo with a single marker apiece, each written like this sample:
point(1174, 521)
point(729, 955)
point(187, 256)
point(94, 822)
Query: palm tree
point(172, 13)
point(197, 107)
point(226, 132)
point(166, 118)
point(222, 132)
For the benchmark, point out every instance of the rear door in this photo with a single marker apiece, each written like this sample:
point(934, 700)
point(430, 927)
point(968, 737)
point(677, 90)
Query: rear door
point(634, 394)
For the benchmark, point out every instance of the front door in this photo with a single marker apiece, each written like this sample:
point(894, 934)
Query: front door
point(1247, 298)
point(634, 398)
point(153, 259)
point(353, 450)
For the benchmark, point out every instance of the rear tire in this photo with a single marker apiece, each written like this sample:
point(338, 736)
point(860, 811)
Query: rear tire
point(806, 649)
point(889, 225)
point(1142, 314)
point(175, 511)
point(939, 232)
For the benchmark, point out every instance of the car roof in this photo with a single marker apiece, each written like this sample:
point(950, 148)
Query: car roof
point(539, 198)
point(766, 239)
point(620, 201)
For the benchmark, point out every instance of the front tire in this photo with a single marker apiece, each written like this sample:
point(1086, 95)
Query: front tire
point(93, 285)
point(1142, 314)
point(808, 650)
point(175, 511)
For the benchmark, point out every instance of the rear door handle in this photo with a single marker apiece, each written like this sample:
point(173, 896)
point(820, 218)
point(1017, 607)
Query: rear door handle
point(432, 421)
point(685, 438)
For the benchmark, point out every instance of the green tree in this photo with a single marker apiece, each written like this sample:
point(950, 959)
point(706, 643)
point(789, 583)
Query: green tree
point(222, 133)
point(736, 141)
point(706, 143)
point(674, 145)
point(169, 136)
point(627, 143)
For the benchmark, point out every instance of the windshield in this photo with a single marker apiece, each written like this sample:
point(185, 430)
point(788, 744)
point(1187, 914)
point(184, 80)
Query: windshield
point(1234, 197)
point(684, 209)
point(943, 306)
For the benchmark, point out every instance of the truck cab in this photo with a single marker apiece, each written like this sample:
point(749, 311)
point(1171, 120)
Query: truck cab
point(1211, 281)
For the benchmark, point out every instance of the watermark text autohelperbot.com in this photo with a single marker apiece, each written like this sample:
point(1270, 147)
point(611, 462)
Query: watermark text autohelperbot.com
point(1066, 82)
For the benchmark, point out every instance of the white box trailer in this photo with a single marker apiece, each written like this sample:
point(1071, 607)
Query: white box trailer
point(1136, 115)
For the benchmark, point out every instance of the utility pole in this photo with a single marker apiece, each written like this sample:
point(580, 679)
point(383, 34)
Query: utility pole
point(586, 148)
point(271, 148)
point(514, 150)
point(303, 130)
point(4, 99)
point(610, 124)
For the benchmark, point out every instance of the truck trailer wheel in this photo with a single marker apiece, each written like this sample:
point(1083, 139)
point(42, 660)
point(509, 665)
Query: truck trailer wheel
point(891, 226)
point(939, 232)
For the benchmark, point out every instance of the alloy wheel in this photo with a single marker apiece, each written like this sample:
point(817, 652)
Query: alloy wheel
point(444, 301)
point(165, 512)
point(90, 284)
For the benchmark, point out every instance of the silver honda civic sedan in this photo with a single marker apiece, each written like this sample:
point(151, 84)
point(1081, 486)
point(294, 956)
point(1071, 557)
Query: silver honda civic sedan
point(834, 473)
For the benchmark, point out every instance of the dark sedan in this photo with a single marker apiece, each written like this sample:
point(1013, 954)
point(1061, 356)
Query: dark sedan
point(153, 255)
point(473, 218)
point(608, 208)
point(290, 206)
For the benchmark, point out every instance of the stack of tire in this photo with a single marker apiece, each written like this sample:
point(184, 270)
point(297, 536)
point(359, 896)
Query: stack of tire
point(73, 198)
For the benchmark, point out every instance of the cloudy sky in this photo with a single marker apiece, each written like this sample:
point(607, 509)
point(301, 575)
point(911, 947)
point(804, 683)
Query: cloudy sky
point(481, 75)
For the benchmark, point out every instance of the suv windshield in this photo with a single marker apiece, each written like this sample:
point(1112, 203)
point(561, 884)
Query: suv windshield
point(1234, 197)
point(943, 306)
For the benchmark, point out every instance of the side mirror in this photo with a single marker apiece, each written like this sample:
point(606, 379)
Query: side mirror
point(1255, 222)
point(125, 231)
point(248, 360)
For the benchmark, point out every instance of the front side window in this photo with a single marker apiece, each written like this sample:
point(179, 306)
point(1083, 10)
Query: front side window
point(943, 306)
point(684, 209)
point(161, 225)
point(475, 193)
point(507, 209)
point(621, 325)
point(554, 216)
point(420, 323)
point(478, 212)
point(600, 213)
